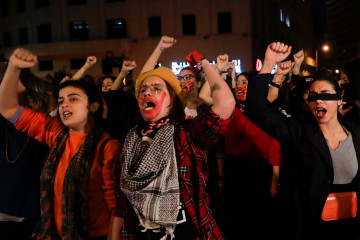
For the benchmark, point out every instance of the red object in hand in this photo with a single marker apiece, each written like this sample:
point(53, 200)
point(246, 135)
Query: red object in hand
point(193, 58)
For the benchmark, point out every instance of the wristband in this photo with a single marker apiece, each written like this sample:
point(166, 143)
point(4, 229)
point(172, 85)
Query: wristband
point(275, 85)
point(161, 49)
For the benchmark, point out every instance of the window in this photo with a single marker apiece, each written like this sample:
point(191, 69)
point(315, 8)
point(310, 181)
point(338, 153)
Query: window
point(189, 24)
point(44, 33)
point(77, 63)
point(23, 36)
point(224, 22)
point(21, 7)
point(154, 26)
point(41, 3)
point(46, 65)
point(287, 20)
point(76, 2)
point(4, 6)
point(7, 39)
point(116, 28)
point(79, 31)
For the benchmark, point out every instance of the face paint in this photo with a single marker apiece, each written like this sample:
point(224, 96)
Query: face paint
point(313, 97)
point(241, 93)
point(151, 107)
point(187, 86)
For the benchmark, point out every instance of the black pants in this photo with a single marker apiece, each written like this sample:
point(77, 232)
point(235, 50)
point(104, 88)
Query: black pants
point(16, 230)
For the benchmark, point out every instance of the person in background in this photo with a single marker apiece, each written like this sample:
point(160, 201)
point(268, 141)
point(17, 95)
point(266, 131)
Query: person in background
point(21, 159)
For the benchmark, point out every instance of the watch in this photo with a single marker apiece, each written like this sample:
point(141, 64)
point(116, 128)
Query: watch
point(199, 67)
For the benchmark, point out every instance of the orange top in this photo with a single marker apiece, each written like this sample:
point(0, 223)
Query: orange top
point(101, 193)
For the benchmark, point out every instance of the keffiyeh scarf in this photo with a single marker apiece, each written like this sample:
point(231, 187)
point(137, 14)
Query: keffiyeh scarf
point(149, 176)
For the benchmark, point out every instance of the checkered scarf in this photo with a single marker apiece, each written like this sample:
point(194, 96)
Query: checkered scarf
point(149, 176)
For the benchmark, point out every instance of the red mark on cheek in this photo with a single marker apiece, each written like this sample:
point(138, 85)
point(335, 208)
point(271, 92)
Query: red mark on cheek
point(189, 86)
point(151, 113)
point(241, 93)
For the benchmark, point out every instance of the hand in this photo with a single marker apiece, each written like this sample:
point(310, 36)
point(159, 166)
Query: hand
point(35, 235)
point(299, 57)
point(221, 61)
point(277, 52)
point(274, 188)
point(128, 65)
point(66, 78)
point(166, 42)
point(22, 58)
point(193, 58)
point(90, 61)
point(284, 67)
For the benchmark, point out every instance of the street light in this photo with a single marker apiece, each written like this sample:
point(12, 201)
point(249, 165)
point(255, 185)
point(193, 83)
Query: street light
point(325, 48)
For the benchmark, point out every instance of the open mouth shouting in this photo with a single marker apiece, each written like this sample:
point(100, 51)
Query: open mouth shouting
point(66, 115)
point(149, 105)
point(320, 112)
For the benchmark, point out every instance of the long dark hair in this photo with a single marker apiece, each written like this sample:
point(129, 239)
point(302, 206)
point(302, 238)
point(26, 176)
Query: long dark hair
point(37, 94)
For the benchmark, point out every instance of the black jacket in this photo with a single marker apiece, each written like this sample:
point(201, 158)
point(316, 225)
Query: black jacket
point(306, 171)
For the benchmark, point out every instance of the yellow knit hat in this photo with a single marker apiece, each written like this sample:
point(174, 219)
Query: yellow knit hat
point(168, 76)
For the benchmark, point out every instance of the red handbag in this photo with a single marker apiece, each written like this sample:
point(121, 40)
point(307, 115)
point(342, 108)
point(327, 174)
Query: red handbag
point(340, 206)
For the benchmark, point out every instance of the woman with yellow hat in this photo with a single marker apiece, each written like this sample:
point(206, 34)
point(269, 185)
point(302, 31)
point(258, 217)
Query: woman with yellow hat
point(163, 169)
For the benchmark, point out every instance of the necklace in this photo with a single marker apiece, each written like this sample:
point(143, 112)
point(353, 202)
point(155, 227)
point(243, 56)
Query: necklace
point(7, 147)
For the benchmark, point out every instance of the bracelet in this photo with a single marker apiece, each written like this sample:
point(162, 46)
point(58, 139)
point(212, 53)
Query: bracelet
point(220, 72)
point(275, 85)
point(199, 64)
point(161, 49)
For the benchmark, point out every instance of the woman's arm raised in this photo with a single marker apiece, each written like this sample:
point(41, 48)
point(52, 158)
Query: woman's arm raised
point(223, 98)
point(20, 59)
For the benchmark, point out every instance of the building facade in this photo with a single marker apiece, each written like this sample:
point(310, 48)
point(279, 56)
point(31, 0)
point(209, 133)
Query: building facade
point(62, 33)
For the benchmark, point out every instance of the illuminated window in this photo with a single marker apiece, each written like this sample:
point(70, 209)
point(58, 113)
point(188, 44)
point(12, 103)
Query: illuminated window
point(154, 25)
point(189, 24)
point(287, 20)
point(116, 28)
point(79, 31)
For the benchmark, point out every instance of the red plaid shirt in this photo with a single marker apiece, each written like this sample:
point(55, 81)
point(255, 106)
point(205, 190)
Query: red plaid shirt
point(192, 139)
point(191, 142)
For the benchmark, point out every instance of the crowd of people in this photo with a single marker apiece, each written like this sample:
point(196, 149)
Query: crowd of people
point(198, 155)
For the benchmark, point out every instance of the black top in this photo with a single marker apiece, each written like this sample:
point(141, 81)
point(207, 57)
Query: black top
point(20, 181)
